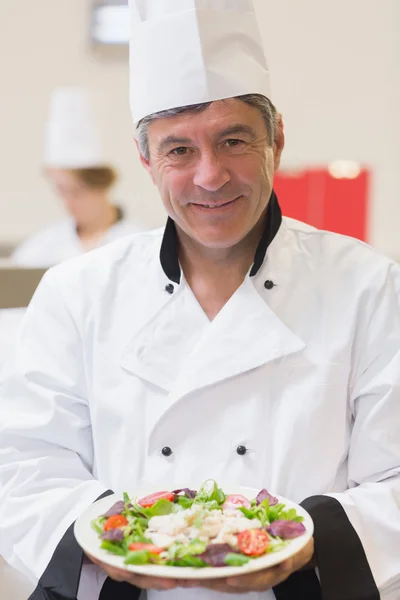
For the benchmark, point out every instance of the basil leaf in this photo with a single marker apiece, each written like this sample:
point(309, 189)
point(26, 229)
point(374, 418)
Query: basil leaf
point(139, 557)
point(236, 560)
point(160, 508)
point(187, 561)
point(184, 502)
point(97, 526)
point(193, 548)
point(113, 548)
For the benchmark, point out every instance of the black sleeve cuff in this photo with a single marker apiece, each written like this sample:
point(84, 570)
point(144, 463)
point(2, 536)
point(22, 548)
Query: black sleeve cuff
point(60, 581)
point(343, 566)
point(114, 590)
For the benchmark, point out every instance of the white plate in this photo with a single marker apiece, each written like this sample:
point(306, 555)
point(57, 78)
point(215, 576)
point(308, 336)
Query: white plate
point(89, 540)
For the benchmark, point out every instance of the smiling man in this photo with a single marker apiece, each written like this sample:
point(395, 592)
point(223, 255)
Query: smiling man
point(235, 344)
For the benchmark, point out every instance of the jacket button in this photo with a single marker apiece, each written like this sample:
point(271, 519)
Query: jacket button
point(166, 451)
point(269, 284)
point(241, 450)
point(169, 288)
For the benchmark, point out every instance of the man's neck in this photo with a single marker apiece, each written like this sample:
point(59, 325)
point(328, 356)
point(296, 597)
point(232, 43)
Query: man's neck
point(214, 274)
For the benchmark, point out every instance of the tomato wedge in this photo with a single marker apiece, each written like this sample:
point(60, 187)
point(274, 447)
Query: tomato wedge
point(150, 501)
point(236, 501)
point(115, 522)
point(253, 542)
point(148, 547)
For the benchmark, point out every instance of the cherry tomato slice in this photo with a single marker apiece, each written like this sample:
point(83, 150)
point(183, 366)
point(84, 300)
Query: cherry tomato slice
point(236, 501)
point(148, 547)
point(150, 501)
point(115, 522)
point(253, 542)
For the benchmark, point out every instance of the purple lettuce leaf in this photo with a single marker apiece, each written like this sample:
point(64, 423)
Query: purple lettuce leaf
point(113, 535)
point(116, 509)
point(264, 495)
point(287, 530)
point(215, 554)
point(188, 493)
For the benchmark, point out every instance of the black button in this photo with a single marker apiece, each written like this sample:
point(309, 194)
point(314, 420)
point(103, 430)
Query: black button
point(241, 450)
point(169, 288)
point(269, 284)
point(166, 451)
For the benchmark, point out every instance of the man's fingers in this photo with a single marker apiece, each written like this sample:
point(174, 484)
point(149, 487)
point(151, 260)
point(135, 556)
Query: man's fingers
point(261, 580)
point(269, 578)
point(305, 556)
point(152, 583)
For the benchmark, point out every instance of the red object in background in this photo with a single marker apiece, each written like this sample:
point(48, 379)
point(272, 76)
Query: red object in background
point(326, 202)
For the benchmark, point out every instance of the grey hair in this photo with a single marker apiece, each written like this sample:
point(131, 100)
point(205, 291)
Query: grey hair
point(263, 104)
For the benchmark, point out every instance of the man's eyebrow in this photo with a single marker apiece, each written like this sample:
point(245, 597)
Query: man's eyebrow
point(237, 130)
point(172, 140)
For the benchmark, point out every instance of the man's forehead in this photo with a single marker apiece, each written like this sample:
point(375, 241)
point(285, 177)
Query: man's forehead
point(215, 119)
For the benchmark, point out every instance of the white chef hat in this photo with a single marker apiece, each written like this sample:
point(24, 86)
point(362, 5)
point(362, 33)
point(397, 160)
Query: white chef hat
point(185, 52)
point(72, 134)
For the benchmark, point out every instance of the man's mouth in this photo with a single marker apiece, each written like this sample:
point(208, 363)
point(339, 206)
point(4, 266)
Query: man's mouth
point(219, 205)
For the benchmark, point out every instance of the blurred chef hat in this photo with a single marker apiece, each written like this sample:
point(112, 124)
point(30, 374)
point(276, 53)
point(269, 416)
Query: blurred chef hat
point(72, 133)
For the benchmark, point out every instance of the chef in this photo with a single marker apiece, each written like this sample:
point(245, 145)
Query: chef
point(76, 166)
point(235, 344)
point(78, 169)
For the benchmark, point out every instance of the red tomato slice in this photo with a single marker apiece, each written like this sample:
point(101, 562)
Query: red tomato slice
point(149, 547)
point(236, 501)
point(253, 542)
point(149, 501)
point(115, 522)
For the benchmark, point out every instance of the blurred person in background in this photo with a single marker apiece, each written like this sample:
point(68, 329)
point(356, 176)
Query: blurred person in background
point(76, 168)
point(81, 176)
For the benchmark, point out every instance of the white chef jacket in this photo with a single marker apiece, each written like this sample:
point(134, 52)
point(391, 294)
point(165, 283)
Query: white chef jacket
point(116, 360)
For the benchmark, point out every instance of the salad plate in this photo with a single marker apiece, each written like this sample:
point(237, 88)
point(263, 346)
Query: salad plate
point(194, 534)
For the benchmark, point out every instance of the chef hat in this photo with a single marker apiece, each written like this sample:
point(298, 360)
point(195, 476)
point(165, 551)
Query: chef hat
point(72, 134)
point(185, 52)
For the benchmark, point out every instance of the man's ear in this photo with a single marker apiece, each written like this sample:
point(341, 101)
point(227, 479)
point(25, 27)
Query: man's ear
point(279, 143)
point(145, 161)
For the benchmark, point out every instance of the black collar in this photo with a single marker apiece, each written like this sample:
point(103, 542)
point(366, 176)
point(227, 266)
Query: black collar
point(169, 254)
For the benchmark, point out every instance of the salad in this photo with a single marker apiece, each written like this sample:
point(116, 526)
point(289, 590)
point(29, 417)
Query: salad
point(204, 528)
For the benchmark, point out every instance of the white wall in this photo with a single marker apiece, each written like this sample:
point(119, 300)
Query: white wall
point(44, 44)
point(336, 78)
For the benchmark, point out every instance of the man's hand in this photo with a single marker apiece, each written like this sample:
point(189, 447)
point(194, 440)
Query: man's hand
point(243, 584)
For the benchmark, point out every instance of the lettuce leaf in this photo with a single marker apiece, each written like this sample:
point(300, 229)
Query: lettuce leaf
point(187, 561)
point(116, 509)
point(210, 493)
point(236, 560)
point(215, 554)
point(139, 557)
point(265, 495)
point(160, 508)
point(287, 530)
point(113, 535)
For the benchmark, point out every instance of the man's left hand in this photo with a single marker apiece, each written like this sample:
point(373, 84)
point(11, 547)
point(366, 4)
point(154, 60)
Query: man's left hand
point(260, 580)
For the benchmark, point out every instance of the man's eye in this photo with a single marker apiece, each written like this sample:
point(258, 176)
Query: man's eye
point(181, 151)
point(233, 143)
